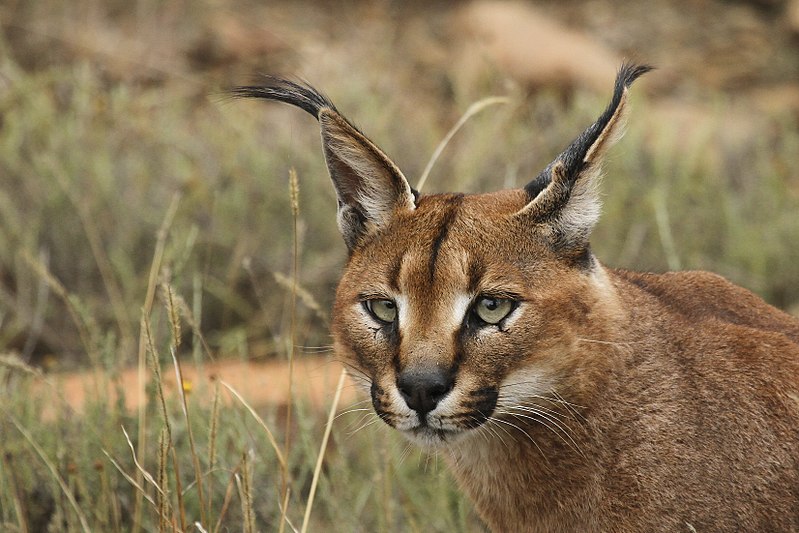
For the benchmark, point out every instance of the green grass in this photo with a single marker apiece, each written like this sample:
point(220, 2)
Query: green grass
point(91, 166)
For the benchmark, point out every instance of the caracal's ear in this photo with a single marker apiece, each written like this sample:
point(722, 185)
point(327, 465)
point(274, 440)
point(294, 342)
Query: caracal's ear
point(564, 199)
point(369, 186)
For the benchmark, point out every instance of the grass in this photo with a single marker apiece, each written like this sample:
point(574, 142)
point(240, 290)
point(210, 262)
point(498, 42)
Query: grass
point(152, 223)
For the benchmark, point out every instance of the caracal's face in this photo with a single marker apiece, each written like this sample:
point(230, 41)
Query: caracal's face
point(454, 316)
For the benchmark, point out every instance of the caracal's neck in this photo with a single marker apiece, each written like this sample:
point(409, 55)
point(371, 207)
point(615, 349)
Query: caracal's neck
point(518, 485)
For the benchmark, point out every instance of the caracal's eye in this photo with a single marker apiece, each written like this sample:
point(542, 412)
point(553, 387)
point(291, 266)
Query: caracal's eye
point(492, 310)
point(382, 310)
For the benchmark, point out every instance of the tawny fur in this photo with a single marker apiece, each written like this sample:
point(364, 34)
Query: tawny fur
point(606, 400)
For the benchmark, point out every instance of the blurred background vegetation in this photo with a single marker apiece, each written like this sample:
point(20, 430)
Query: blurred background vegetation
point(114, 119)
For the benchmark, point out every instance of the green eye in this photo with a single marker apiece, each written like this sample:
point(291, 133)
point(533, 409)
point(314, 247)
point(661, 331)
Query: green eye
point(382, 310)
point(493, 310)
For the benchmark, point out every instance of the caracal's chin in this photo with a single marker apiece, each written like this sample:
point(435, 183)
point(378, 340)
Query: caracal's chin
point(431, 438)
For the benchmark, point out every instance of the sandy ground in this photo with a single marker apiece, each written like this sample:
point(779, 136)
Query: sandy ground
point(260, 384)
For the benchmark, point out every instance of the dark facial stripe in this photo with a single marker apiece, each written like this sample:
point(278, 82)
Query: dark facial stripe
point(476, 272)
point(394, 273)
point(449, 216)
point(394, 338)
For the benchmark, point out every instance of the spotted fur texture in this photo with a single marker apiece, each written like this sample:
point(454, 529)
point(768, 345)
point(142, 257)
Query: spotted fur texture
point(565, 395)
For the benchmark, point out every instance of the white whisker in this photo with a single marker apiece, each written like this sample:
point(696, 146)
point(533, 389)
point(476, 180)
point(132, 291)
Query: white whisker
point(406, 452)
point(491, 427)
point(573, 408)
point(350, 411)
point(426, 462)
point(364, 425)
point(609, 343)
point(551, 425)
point(523, 432)
point(358, 422)
point(538, 408)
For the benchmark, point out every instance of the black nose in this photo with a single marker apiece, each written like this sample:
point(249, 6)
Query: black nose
point(423, 389)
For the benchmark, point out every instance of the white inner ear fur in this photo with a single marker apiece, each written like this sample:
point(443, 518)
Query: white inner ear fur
point(581, 212)
point(376, 205)
point(373, 188)
point(374, 191)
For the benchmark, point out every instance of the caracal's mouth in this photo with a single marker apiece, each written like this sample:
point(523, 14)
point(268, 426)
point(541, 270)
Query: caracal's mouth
point(428, 437)
point(439, 423)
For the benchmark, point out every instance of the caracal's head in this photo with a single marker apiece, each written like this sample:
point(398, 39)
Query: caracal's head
point(455, 309)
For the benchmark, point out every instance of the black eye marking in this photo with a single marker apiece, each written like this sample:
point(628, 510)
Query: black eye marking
point(375, 331)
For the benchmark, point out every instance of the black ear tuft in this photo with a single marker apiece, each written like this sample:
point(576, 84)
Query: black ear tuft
point(298, 94)
point(629, 72)
point(575, 157)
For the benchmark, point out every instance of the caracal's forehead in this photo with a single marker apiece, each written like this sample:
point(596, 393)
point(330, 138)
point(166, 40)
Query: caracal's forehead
point(449, 246)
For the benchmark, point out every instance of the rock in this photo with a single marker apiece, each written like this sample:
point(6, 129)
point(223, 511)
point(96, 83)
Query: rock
point(534, 49)
point(792, 15)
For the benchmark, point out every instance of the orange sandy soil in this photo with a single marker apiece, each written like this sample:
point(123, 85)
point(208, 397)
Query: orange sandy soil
point(260, 384)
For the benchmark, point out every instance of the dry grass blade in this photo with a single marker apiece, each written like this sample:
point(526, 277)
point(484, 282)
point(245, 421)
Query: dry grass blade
point(54, 472)
point(156, 367)
point(280, 459)
point(164, 510)
point(192, 317)
point(473, 110)
point(212, 433)
point(139, 467)
point(195, 458)
point(303, 294)
point(284, 510)
point(246, 495)
point(318, 469)
point(12, 361)
point(213, 429)
point(130, 479)
point(173, 312)
point(111, 501)
point(294, 192)
point(152, 283)
point(13, 485)
point(228, 497)
point(179, 489)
